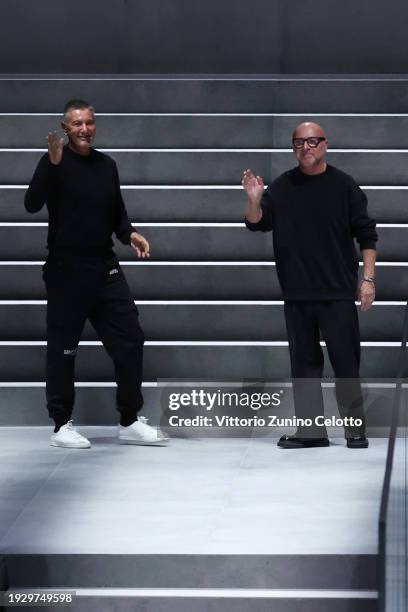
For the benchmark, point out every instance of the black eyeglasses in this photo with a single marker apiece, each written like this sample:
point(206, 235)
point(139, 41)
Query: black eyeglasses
point(312, 142)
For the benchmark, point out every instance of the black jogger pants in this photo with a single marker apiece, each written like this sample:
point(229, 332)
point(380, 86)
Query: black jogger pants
point(81, 289)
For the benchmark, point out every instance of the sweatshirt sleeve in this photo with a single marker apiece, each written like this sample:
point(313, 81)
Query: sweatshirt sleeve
point(265, 224)
point(362, 226)
point(123, 228)
point(41, 185)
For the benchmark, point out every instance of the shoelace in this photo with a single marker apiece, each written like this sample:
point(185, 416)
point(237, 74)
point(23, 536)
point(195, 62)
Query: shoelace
point(70, 426)
point(159, 432)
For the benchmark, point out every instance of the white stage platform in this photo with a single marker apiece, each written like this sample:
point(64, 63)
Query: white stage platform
point(207, 496)
point(204, 524)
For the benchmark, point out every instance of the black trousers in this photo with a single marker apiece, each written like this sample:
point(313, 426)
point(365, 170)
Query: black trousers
point(337, 321)
point(77, 290)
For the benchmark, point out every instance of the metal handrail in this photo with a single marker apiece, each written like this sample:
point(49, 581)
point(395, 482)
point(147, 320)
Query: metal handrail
point(382, 525)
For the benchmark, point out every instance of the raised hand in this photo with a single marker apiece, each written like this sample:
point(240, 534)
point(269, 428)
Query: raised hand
point(55, 148)
point(253, 185)
point(140, 244)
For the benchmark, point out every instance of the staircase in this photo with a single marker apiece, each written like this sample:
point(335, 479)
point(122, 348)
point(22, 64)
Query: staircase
point(209, 298)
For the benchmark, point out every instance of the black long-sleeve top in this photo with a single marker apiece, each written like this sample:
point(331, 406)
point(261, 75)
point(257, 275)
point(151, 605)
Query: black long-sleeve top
point(84, 203)
point(315, 219)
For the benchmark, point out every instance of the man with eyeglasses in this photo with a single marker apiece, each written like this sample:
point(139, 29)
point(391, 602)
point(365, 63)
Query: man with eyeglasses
point(315, 211)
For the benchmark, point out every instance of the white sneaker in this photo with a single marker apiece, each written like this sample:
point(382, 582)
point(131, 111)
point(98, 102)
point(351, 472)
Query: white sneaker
point(140, 432)
point(68, 437)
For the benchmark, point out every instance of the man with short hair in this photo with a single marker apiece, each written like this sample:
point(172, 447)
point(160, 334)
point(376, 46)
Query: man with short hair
point(81, 189)
point(315, 211)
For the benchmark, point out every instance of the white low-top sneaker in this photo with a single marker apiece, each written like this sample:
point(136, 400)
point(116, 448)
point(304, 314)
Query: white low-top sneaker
point(68, 437)
point(140, 432)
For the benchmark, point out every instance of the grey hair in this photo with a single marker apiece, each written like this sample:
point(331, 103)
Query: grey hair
point(77, 104)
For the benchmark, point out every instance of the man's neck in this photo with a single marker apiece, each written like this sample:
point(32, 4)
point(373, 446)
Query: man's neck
point(82, 152)
point(312, 171)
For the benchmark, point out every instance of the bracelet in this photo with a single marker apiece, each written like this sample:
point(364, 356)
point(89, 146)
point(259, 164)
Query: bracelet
point(368, 279)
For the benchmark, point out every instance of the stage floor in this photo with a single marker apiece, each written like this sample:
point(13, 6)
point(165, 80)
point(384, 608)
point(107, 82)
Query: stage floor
point(196, 496)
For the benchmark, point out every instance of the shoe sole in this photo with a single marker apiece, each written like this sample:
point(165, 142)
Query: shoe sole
point(57, 445)
point(364, 445)
point(142, 443)
point(291, 445)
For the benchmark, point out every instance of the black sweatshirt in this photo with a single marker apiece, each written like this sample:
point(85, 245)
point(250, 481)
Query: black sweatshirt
point(84, 203)
point(314, 221)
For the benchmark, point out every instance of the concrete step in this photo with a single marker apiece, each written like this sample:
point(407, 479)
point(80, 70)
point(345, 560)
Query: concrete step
point(205, 205)
point(25, 362)
point(234, 571)
point(24, 404)
point(209, 95)
point(210, 167)
point(193, 281)
point(203, 589)
point(222, 600)
point(212, 131)
point(200, 321)
point(186, 243)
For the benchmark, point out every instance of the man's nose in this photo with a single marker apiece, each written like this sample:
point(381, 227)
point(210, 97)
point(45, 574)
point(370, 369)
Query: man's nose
point(306, 144)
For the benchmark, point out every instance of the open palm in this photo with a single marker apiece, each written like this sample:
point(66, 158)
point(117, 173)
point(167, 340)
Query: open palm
point(55, 148)
point(253, 185)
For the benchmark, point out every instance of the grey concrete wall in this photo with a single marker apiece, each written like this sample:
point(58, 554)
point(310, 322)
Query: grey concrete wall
point(192, 36)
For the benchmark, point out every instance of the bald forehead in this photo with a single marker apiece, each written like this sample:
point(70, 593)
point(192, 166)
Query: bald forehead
point(307, 129)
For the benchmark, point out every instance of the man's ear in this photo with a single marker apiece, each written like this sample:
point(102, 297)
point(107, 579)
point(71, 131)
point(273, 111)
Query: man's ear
point(64, 127)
